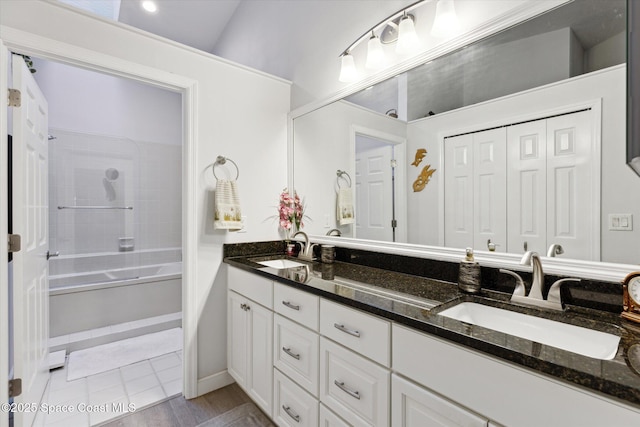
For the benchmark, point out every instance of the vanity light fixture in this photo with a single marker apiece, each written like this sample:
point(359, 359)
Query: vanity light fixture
point(399, 27)
point(348, 72)
point(150, 6)
point(408, 41)
point(446, 21)
point(375, 54)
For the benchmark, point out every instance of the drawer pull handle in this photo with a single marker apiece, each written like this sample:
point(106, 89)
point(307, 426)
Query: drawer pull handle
point(349, 391)
point(292, 306)
point(245, 307)
point(290, 353)
point(347, 330)
point(292, 414)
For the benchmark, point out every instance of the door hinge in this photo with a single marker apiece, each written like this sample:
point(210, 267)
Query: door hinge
point(13, 242)
point(14, 98)
point(15, 387)
point(394, 223)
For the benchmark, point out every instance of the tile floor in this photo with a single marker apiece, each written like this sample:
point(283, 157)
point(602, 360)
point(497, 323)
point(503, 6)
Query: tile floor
point(129, 387)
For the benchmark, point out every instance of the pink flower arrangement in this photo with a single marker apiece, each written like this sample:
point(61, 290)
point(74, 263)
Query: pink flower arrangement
point(291, 211)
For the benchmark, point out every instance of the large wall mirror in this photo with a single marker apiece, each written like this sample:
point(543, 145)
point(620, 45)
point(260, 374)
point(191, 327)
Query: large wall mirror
point(514, 142)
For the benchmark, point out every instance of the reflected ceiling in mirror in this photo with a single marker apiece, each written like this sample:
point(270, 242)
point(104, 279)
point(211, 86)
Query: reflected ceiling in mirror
point(573, 38)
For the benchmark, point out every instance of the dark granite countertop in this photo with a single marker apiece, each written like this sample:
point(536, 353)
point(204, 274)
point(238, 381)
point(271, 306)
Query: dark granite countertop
point(415, 301)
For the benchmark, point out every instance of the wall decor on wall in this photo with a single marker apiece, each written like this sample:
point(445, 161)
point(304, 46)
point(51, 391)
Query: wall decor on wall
point(423, 179)
point(420, 153)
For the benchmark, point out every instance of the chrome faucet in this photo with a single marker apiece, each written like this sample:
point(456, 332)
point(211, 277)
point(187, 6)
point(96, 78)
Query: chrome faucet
point(306, 251)
point(554, 250)
point(338, 232)
point(535, 298)
point(537, 279)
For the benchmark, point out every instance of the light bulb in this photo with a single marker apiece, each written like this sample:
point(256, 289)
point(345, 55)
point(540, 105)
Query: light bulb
point(348, 71)
point(408, 41)
point(150, 6)
point(375, 54)
point(446, 21)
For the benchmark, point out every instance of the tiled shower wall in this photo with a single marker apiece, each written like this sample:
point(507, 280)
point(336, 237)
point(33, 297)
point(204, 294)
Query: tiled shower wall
point(148, 180)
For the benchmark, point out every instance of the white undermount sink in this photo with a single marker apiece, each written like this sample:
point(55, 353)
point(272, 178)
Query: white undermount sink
point(280, 263)
point(584, 341)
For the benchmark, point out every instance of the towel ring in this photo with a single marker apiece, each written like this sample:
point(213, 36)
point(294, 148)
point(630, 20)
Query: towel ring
point(341, 174)
point(221, 160)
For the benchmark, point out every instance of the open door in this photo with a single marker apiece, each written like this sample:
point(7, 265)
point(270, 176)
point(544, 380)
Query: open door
point(30, 221)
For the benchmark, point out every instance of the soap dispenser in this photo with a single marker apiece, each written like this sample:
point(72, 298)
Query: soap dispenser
point(469, 274)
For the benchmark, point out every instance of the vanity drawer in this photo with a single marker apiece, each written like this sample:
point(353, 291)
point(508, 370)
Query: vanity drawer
point(329, 419)
point(292, 406)
point(359, 331)
point(353, 387)
point(251, 286)
point(296, 352)
point(297, 305)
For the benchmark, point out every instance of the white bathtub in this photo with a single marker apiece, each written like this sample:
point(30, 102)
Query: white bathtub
point(98, 299)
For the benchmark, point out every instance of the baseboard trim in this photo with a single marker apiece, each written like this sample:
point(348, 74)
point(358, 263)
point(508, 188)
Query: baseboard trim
point(214, 382)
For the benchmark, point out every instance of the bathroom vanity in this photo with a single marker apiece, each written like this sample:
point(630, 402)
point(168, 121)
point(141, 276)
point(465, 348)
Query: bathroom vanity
point(351, 344)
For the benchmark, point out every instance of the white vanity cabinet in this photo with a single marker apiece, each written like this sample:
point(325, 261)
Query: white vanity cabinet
point(504, 393)
point(415, 406)
point(250, 336)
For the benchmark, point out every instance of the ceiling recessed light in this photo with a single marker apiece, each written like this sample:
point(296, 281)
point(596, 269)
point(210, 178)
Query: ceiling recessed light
point(150, 6)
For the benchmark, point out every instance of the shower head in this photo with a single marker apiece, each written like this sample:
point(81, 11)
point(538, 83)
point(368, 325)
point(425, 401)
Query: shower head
point(111, 174)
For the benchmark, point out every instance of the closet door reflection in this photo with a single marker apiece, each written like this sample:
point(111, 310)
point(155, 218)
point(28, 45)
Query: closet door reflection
point(475, 190)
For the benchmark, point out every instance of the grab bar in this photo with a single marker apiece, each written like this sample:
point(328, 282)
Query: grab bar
point(96, 207)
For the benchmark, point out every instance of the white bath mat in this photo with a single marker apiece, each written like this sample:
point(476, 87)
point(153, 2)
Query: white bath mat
point(106, 357)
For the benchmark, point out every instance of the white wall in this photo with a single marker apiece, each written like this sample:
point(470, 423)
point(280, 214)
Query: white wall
point(619, 184)
point(91, 102)
point(323, 144)
point(241, 114)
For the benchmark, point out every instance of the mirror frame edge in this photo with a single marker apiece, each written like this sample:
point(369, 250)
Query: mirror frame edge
point(604, 271)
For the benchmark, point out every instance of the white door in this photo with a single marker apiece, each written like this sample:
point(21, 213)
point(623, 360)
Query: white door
point(571, 211)
point(237, 339)
point(260, 378)
point(458, 190)
point(30, 220)
point(4, 222)
point(490, 189)
point(374, 189)
point(527, 187)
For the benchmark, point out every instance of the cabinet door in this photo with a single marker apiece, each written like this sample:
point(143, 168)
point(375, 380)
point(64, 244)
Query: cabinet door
point(237, 340)
point(414, 406)
point(260, 378)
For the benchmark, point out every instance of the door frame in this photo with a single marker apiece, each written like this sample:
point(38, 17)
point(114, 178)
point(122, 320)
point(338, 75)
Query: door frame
point(30, 44)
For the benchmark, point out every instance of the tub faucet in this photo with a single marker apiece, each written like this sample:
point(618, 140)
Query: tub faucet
point(306, 251)
point(535, 298)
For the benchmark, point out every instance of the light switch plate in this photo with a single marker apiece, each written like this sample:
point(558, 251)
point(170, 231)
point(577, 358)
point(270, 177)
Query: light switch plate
point(620, 222)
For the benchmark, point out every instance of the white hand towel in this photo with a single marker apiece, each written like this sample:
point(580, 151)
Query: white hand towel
point(228, 215)
point(344, 207)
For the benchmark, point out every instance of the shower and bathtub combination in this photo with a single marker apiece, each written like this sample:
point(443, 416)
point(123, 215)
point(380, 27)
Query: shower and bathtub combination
point(115, 232)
